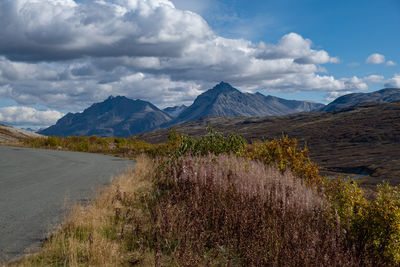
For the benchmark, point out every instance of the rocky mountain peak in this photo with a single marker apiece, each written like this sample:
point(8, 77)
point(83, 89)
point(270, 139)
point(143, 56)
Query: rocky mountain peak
point(223, 87)
point(116, 116)
point(225, 101)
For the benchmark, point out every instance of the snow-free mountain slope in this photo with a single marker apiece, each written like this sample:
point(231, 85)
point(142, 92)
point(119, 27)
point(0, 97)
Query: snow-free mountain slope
point(116, 116)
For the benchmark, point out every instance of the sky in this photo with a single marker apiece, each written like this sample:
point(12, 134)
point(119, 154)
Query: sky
point(60, 56)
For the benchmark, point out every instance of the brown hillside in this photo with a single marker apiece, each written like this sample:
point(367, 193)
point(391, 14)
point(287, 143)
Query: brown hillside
point(364, 139)
point(10, 134)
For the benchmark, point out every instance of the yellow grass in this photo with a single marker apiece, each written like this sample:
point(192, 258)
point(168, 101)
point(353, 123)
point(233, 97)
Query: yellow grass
point(91, 235)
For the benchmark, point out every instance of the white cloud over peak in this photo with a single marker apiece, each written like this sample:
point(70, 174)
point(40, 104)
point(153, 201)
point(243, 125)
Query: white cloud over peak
point(393, 82)
point(19, 115)
point(374, 79)
point(331, 96)
point(66, 55)
point(354, 84)
point(375, 59)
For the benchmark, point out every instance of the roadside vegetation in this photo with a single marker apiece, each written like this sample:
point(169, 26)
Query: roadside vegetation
point(216, 200)
point(112, 145)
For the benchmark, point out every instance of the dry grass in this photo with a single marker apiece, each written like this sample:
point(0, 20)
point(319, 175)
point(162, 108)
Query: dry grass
point(224, 210)
point(199, 211)
point(93, 235)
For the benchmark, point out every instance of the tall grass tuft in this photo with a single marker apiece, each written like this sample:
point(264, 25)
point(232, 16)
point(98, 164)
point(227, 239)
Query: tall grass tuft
point(227, 210)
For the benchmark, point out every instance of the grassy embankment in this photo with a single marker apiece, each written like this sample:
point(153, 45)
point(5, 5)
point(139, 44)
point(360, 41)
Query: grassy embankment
point(111, 145)
point(217, 201)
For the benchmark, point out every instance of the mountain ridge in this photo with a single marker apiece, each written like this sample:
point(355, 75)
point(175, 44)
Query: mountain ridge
point(386, 95)
point(120, 116)
point(174, 111)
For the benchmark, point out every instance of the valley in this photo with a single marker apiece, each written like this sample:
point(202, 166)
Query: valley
point(355, 135)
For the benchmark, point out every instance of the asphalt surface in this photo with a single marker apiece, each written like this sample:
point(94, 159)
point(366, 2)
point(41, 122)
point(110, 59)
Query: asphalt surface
point(38, 186)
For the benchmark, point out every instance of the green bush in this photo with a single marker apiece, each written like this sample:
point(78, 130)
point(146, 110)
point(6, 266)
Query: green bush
point(214, 142)
point(52, 141)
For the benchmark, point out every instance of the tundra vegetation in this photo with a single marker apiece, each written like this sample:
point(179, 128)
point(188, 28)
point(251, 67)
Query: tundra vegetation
point(216, 200)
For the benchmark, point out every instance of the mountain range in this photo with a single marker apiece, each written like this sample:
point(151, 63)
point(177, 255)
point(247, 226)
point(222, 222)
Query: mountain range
point(225, 101)
point(120, 116)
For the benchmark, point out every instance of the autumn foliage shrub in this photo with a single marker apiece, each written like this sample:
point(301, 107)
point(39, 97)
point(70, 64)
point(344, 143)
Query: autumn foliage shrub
point(376, 227)
point(376, 239)
point(346, 200)
point(285, 154)
point(372, 226)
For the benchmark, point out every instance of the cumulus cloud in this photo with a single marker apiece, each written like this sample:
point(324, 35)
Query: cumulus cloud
point(59, 30)
point(379, 59)
point(19, 115)
point(393, 82)
point(374, 79)
point(294, 46)
point(65, 55)
point(375, 59)
point(317, 57)
point(354, 84)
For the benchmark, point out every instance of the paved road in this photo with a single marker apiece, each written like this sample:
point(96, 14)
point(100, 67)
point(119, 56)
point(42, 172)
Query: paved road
point(35, 184)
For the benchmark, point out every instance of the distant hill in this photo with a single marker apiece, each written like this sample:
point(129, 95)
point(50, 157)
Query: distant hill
point(387, 95)
point(362, 139)
point(175, 111)
point(225, 101)
point(9, 134)
point(116, 116)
